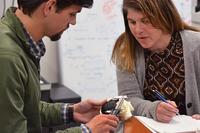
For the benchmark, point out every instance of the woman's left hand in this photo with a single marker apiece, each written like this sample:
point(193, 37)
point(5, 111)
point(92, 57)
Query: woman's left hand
point(196, 116)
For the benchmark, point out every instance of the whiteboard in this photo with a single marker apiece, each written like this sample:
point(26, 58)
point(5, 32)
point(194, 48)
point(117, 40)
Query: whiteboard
point(85, 50)
point(195, 15)
point(185, 9)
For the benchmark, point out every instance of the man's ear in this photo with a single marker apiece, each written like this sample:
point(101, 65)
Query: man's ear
point(49, 7)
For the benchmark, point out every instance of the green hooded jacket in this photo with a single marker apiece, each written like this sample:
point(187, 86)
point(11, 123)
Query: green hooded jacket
point(20, 107)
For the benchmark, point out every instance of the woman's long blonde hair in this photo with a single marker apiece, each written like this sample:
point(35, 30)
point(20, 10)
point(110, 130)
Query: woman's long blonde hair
point(162, 14)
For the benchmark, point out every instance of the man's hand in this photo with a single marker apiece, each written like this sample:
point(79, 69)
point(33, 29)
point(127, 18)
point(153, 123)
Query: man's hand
point(86, 110)
point(165, 111)
point(103, 123)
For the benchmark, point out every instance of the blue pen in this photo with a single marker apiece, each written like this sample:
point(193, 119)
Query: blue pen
point(161, 97)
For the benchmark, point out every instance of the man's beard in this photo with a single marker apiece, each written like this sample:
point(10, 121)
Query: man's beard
point(55, 37)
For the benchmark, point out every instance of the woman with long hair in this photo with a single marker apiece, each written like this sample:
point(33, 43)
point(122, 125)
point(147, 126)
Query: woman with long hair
point(158, 52)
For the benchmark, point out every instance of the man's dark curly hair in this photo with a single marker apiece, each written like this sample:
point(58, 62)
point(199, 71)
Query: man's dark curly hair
point(29, 6)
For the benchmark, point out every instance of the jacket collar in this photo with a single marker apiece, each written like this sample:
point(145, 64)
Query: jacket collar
point(15, 25)
point(11, 20)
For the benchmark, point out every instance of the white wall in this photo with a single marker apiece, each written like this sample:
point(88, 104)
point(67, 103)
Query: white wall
point(184, 7)
point(195, 15)
point(50, 62)
point(7, 4)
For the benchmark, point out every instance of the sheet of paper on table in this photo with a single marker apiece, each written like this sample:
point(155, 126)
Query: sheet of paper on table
point(179, 124)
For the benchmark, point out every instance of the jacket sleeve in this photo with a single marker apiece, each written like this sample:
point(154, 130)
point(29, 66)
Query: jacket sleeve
point(50, 113)
point(128, 85)
point(12, 95)
point(13, 77)
point(71, 130)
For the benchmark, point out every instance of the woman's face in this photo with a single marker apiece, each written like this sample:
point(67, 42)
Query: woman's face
point(145, 33)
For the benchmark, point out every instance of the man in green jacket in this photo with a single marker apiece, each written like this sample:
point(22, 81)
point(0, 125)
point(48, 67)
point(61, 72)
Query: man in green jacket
point(21, 47)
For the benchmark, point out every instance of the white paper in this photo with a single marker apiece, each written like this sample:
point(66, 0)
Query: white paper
point(179, 124)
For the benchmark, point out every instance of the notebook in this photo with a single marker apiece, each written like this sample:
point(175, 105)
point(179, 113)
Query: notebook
point(179, 124)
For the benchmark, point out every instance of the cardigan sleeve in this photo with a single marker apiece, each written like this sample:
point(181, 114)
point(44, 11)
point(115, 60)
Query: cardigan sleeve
point(128, 85)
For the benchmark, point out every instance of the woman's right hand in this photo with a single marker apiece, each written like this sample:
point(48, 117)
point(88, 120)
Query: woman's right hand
point(165, 111)
point(196, 116)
